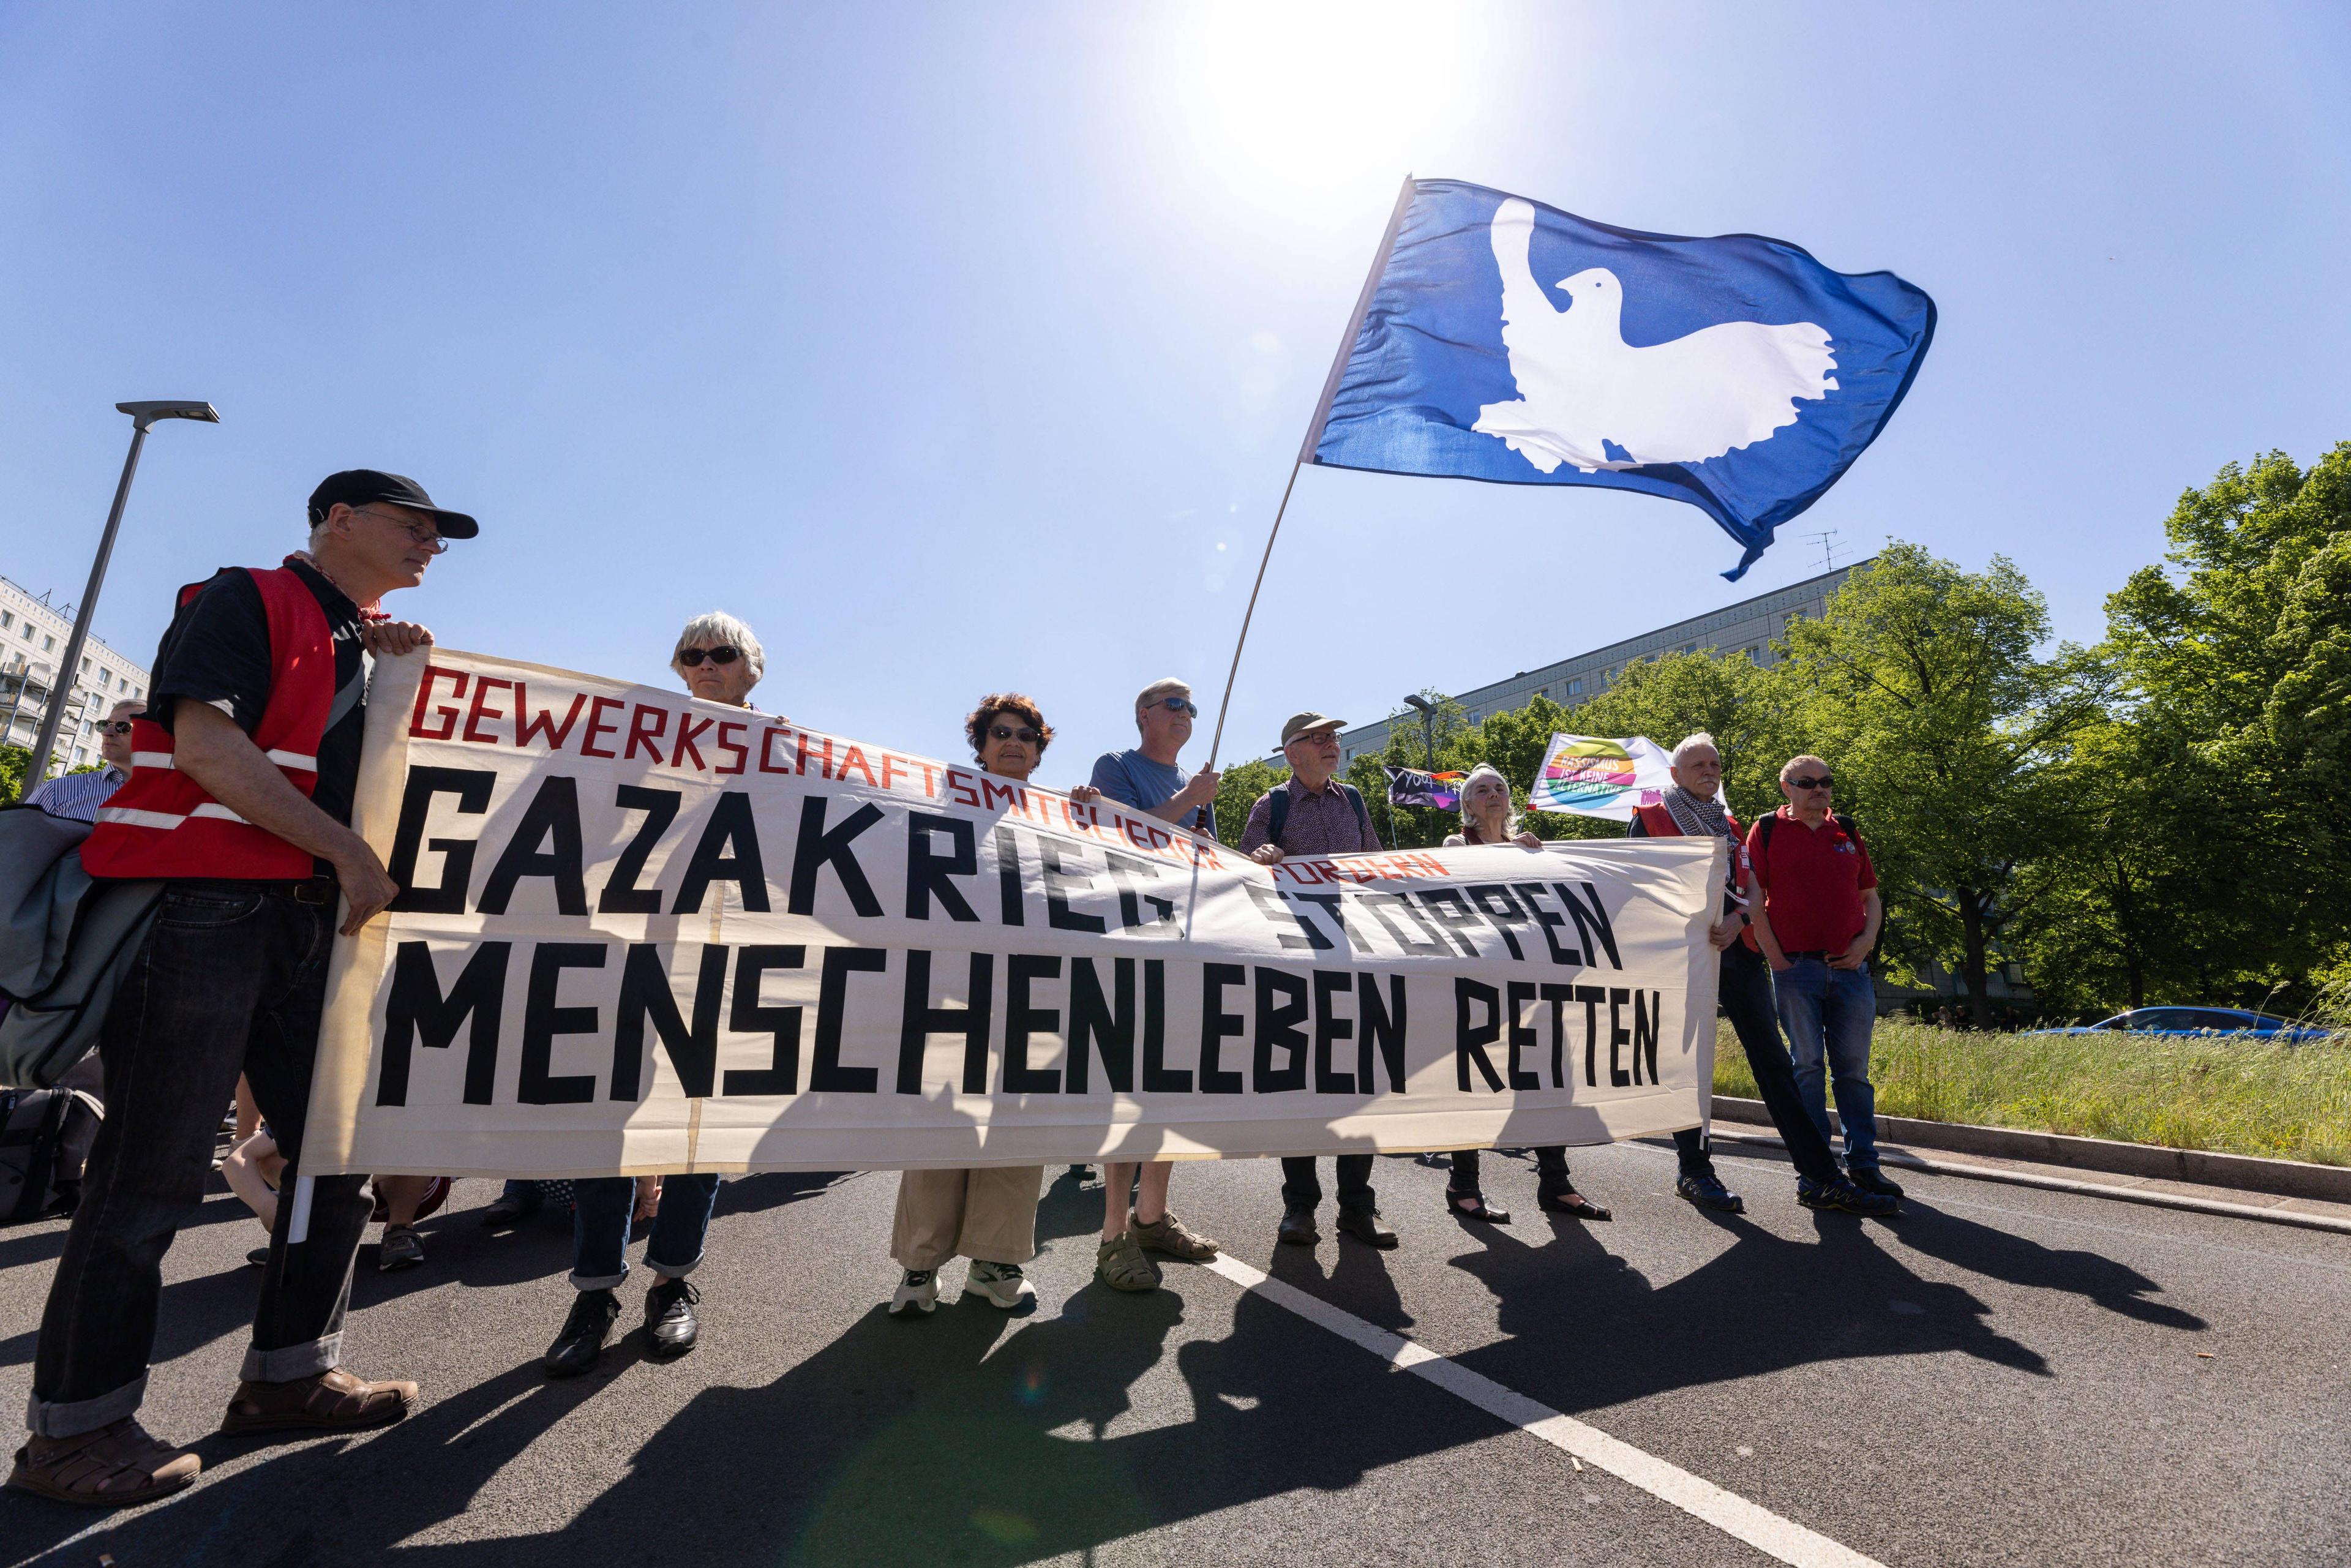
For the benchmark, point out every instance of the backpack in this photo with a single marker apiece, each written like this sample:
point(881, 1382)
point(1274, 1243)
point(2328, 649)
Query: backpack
point(1280, 813)
point(1763, 842)
point(45, 1139)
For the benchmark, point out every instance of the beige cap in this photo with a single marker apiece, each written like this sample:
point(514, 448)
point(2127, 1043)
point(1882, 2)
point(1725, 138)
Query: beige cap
point(1302, 722)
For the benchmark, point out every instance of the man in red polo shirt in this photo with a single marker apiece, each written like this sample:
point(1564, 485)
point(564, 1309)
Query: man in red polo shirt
point(1816, 923)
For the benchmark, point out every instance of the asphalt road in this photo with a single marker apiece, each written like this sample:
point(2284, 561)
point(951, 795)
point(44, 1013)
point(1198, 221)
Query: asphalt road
point(2003, 1376)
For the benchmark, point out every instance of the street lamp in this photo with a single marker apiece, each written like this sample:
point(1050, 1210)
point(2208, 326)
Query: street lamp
point(142, 414)
point(1427, 726)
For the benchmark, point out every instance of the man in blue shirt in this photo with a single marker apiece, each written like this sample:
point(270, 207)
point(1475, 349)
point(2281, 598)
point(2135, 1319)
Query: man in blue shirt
point(1147, 777)
point(1146, 780)
point(79, 795)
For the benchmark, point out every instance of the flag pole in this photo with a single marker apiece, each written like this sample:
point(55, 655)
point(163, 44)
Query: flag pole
point(1306, 448)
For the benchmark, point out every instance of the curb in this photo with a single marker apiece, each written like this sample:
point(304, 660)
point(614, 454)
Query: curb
point(2247, 1173)
point(2139, 1195)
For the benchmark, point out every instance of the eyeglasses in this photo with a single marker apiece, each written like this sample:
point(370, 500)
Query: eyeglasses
point(1024, 734)
point(725, 654)
point(1178, 705)
point(115, 726)
point(425, 536)
point(1823, 782)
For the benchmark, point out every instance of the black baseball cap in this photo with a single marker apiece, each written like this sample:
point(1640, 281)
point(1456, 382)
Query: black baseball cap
point(357, 486)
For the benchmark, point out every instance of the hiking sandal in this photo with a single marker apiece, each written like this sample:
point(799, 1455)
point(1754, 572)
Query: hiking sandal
point(80, 1469)
point(1120, 1264)
point(1167, 1234)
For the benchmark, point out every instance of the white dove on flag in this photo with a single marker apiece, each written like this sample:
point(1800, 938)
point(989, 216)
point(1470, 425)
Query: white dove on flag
point(1582, 388)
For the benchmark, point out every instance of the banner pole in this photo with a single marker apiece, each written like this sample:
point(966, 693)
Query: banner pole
point(1217, 740)
point(1313, 439)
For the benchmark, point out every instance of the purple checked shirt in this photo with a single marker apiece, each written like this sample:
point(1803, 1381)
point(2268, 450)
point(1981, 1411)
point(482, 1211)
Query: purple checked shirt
point(1320, 824)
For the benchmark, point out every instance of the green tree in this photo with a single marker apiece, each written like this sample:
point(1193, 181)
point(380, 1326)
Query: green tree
point(2235, 662)
point(1238, 788)
point(14, 761)
point(1923, 687)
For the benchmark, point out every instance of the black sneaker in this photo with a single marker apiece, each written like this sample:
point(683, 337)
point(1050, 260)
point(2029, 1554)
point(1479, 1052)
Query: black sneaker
point(1871, 1180)
point(1705, 1189)
point(1843, 1195)
point(670, 1322)
point(575, 1350)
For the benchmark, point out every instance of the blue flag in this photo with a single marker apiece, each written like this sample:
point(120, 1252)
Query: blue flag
point(1505, 340)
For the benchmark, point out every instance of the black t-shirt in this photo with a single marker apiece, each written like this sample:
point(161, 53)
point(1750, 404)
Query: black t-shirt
point(217, 651)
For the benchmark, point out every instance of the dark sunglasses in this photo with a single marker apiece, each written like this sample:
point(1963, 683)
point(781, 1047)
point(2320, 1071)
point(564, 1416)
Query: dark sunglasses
point(725, 654)
point(1823, 782)
point(1024, 734)
point(117, 726)
point(1178, 705)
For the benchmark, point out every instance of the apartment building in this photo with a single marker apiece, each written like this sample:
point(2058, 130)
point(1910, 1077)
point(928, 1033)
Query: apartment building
point(1746, 627)
point(33, 638)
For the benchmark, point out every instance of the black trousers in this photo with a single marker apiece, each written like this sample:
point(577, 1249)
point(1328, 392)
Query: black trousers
point(231, 978)
point(1301, 1186)
point(1551, 1169)
point(1745, 990)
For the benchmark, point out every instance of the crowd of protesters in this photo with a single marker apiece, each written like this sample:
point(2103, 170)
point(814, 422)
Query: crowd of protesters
point(246, 763)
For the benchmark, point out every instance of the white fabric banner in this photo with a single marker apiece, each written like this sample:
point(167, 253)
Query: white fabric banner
point(643, 932)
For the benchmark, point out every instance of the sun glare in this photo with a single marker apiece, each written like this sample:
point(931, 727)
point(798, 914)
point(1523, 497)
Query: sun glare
point(1279, 99)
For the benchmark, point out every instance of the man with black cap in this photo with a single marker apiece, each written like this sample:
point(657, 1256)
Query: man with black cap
point(239, 800)
point(1315, 813)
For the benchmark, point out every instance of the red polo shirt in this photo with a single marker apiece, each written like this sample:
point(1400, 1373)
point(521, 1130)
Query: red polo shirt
point(1812, 879)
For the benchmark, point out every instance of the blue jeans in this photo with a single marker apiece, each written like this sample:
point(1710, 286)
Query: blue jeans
point(230, 979)
point(1745, 992)
point(601, 1210)
point(1828, 1014)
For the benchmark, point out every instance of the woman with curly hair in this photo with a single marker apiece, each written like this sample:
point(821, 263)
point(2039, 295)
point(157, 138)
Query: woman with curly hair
point(988, 1215)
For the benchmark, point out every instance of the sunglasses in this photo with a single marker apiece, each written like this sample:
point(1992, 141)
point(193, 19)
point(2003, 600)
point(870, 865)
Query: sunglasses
point(725, 654)
point(118, 727)
point(1024, 734)
point(1823, 782)
point(1178, 705)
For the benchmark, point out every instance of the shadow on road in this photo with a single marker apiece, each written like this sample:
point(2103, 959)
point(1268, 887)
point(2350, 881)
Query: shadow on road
point(973, 1438)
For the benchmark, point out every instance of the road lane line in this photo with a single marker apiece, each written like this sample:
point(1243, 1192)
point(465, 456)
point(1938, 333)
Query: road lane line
point(1758, 1526)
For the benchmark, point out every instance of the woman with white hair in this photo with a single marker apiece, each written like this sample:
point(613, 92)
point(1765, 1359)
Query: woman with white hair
point(1487, 818)
point(720, 661)
point(719, 658)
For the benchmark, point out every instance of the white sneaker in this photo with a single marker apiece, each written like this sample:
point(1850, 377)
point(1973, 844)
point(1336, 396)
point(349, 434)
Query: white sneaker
point(1002, 1284)
point(920, 1288)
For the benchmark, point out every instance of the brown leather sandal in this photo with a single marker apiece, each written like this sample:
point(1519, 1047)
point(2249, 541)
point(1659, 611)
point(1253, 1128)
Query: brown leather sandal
point(333, 1401)
point(93, 1469)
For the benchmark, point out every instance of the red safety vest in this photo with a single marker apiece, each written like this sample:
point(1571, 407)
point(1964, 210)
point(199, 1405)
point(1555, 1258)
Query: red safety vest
point(1658, 823)
point(161, 823)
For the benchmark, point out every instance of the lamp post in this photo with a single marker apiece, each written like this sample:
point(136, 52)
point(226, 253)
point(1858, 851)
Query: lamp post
point(142, 414)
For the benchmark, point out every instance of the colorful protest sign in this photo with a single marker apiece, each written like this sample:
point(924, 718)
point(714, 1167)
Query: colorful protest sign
point(1593, 776)
point(641, 933)
point(1411, 787)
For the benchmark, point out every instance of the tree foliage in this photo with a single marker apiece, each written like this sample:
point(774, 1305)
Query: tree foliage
point(1926, 689)
point(2161, 818)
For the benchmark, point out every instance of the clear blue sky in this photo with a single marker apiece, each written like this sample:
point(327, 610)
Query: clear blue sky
point(967, 347)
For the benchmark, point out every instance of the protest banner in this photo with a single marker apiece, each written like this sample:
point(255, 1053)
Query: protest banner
point(643, 933)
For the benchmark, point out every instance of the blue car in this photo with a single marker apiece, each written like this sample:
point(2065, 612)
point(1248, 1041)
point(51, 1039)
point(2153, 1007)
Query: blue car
point(2189, 1023)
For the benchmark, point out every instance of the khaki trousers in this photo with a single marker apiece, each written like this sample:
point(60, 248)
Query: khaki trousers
point(985, 1214)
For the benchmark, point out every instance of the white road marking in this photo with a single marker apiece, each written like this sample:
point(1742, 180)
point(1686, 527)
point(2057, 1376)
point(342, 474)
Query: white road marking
point(1733, 1515)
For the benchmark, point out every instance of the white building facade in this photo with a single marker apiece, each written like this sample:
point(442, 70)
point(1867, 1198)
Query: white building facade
point(33, 638)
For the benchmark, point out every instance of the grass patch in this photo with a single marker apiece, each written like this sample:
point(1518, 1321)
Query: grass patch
point(2228, 1095)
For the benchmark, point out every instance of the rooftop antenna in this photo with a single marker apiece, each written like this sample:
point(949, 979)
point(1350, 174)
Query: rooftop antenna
point(1826, 539)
